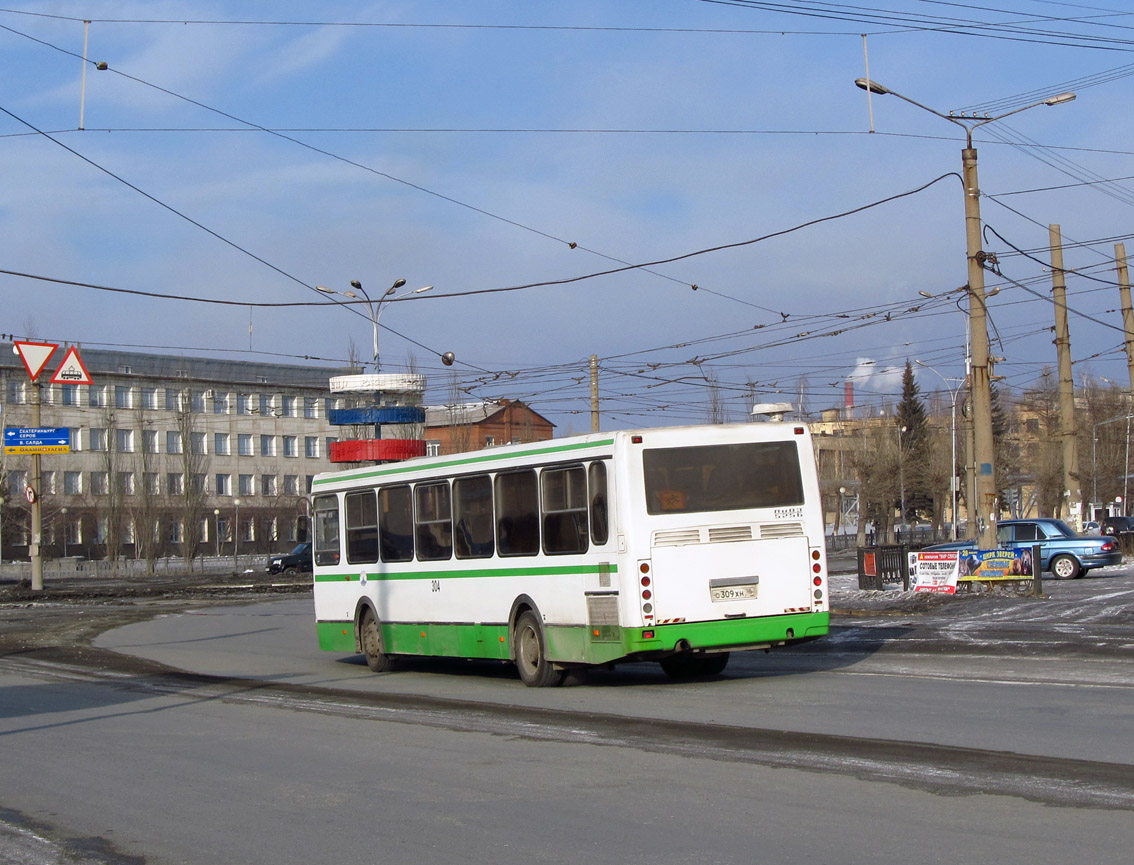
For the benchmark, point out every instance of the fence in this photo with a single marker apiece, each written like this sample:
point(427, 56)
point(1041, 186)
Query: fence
point(165, 567)
point(880, 565)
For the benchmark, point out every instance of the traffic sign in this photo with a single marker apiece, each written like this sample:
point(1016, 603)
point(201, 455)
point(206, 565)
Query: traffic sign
point(37, 440)
point(35, 355)
point(72, 370)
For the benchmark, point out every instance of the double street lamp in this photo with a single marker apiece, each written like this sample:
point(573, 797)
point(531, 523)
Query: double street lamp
point(375, 306)
point(985, 508)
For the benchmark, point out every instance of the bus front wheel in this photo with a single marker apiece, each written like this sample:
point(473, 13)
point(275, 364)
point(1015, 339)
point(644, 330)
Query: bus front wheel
point(531, 654)
point(694, 666)
point(371, 639)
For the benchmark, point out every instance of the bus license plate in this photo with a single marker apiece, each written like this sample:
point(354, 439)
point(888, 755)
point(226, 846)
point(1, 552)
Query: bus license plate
point(733, 593)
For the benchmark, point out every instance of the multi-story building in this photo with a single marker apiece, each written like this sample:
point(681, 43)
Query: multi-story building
point(227, 448)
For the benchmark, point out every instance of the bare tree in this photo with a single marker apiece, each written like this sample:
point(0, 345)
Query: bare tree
point(194, 463)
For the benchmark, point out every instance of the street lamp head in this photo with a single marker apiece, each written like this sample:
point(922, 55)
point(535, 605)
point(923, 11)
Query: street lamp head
point(871, 86)
point(325, 290)
point(421, 290)
point(398, 283)
point(1060, 99)
point(354, 283)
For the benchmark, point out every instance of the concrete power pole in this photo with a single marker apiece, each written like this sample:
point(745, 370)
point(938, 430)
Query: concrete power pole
point(1067, 435)
point(1127, 314)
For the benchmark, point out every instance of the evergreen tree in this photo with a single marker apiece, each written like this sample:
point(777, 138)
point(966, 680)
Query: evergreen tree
point(915, 460)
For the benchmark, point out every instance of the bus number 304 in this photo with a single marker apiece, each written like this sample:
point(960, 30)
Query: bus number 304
point(435, 585)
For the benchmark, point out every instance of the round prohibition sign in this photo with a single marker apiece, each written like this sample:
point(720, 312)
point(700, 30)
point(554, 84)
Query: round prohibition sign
point(29, 492)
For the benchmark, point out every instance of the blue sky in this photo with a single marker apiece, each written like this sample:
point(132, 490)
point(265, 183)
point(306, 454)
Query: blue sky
point(469, 145)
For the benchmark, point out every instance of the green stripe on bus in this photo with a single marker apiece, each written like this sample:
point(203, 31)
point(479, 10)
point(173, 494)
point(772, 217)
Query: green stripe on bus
point(577, 644)
point(546, 571)
point(405, 468)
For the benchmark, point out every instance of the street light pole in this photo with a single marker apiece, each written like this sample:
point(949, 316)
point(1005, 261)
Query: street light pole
point(236, 535)
point(953, 391)
point(985, 508)
point(375, 306)
point(901, 475)
point(216, 521)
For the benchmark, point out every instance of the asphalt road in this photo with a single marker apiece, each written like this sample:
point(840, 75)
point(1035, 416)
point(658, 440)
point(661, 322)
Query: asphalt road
point(964, 730)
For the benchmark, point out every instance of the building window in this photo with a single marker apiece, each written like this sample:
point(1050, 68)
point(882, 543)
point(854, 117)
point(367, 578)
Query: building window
point(220, 403)
point(172, 399)
point(291, 446)
point(152, 481)
point(149, 441)
point(72, 483)
point(126, 483)
point(224, 485)
point(330, 440)
point(310, 407)
point(96, 396)
point(197, 401)
point(197, 442)
point(17, 481)
point(70, 394)
point(308, 483)
point(330, 403)
point(265, 405)
point(17, 392)
point(268, 485)
point(174, 484)
point(76, 439)
point(124, 441)
point(244, 444)
point(243, 403)
point(98, 483)
point(245, 485)
point(433, 448)
point(311, 446)
point(267, 446)
point(122, 396)
point(149, 398)
point(47, 482)
point(197, 483)
point(291, 485)
point(172, 442)
point(98, 439)
point(175, 532)
point(221, 444)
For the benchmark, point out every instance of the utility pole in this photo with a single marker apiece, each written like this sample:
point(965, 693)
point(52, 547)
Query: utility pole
point(1067, 436)
point(1127, 313)
point(594, 394)
point(984, 509)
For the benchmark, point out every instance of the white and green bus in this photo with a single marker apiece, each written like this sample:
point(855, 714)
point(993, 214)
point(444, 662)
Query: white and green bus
point(677, 545)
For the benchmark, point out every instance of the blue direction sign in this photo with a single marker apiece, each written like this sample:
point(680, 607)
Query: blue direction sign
point(37, 440)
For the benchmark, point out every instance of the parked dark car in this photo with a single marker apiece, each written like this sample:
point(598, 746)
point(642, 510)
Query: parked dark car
point(1114, 525)
point(298, 561)
point(1064, 553)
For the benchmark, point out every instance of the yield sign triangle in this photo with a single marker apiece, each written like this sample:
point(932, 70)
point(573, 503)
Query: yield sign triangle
point(71, 371)
point(35, 355)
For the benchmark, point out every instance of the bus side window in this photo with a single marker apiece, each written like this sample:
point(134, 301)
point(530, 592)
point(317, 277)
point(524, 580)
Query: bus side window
point(517, 513)
point(433, 521)
point(395, 524)
point(564, 510)
point(361, 527)
point(472, 512)
point(600, 530)
point(326, 530)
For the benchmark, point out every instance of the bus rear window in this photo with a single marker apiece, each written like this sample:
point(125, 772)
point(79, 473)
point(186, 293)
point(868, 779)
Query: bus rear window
point(722, 477)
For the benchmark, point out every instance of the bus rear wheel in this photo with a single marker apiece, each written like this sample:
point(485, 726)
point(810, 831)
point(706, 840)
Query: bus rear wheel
point(371, 639)
point(531, 654)
point(687, 666)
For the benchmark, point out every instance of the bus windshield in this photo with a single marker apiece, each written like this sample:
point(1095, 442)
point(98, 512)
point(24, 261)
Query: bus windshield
point(722, 477)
